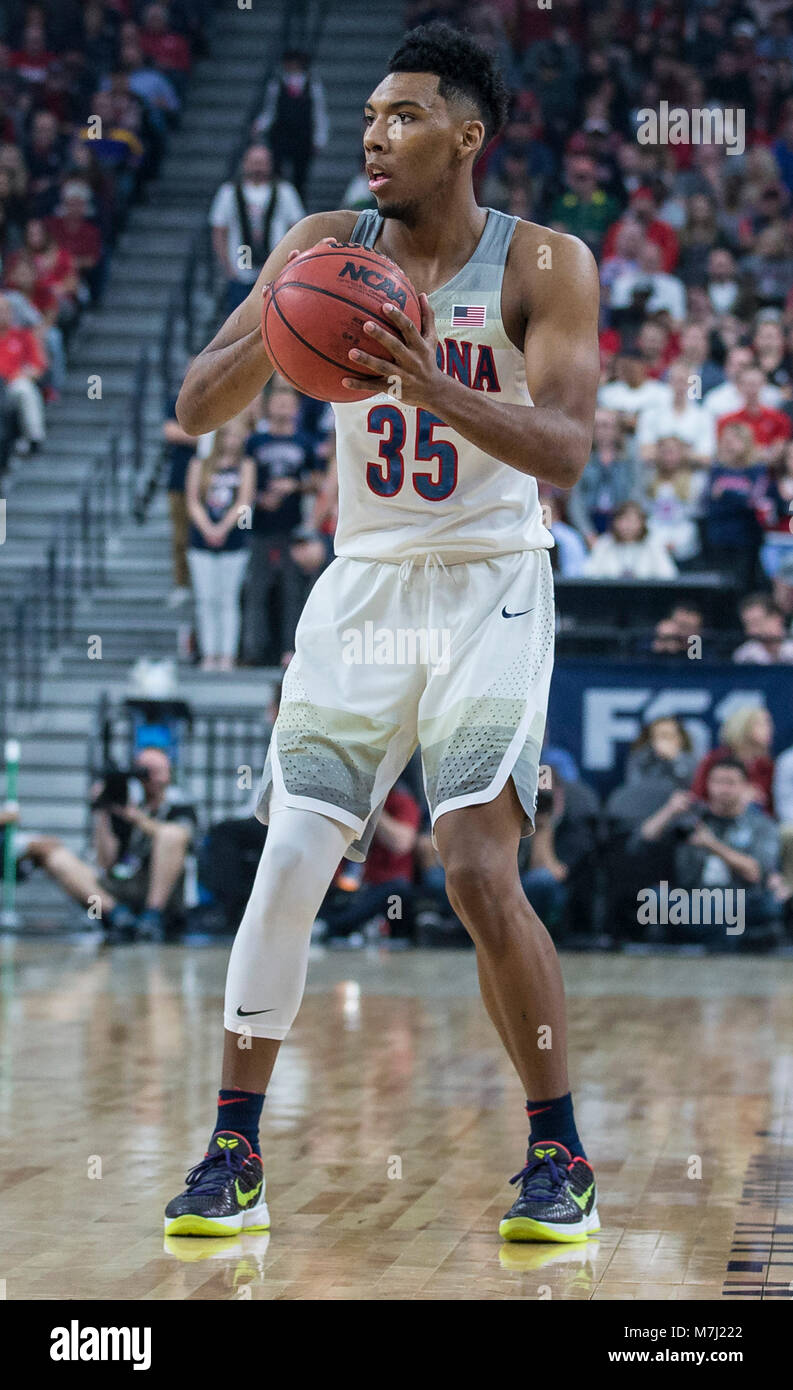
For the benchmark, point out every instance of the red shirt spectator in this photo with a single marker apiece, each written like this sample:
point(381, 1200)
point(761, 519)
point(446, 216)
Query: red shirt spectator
point(768, 426)
point(168, 50)
point(77, 236)
point(641, 206)
point(20, 349)
point(760, 772)
point(391, 854)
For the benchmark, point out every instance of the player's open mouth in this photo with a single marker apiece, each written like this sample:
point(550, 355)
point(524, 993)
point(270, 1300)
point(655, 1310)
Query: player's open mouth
point(376, 180)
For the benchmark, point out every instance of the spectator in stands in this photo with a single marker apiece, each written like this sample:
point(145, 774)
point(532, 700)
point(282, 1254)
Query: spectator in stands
point(662, 757)
point(179, 449)
point(673, 499)
point(45, 156)
point(770, 428)
point(633, 390)
point(673, 634)
point(733, 494)
point(55, 271)
point(747, 735)
point(73, 231)
point(767, 643)
point(555, 861)
point(168, 50)
point(13, 193)
point(783, 806)
point(585, 210)
point(648, 289)
point(32, 60)
point(248, 218)
point(118, 150)
point(294, 119)
point(148, 81)
point(140, 853)
point(625, 257)
point(34, 306)
point(286, 469)
point(682, 417)
point(569, 555)
point(724, 287)
point(727, 398)
point(356, 195)
point(219, 491)
point(389, 875)
point(609, 478)
point(310, 553)
point(22, 364)
point(774, 359)
point(695, 354)
point(643, 207)
point(782, 590)
point(771, 265)
point(660, 766)
point(725, 841)
point(776, 513)
point(628, 550)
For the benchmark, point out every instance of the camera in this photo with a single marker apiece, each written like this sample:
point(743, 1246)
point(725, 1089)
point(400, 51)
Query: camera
point(116, 786)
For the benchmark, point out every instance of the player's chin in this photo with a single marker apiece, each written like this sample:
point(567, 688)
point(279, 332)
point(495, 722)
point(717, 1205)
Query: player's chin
point(400, 211)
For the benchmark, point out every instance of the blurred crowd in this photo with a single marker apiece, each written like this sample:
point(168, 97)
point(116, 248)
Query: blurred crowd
point(88, 95)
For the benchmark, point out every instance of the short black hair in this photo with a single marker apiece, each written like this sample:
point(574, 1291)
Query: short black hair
point(464, 67)
point(730, 763)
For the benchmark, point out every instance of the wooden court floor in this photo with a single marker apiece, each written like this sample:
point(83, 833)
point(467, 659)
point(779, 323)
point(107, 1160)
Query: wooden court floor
point(391, 1129)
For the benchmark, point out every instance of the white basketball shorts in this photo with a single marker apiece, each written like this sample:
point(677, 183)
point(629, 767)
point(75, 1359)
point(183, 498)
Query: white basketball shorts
point(457, 659)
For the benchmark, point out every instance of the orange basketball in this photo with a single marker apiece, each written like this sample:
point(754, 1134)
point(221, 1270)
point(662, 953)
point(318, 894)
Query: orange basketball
point(314, 313)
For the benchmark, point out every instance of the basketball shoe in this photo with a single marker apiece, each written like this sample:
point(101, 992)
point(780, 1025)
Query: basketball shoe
point(557, 1197)
point(224, 1192)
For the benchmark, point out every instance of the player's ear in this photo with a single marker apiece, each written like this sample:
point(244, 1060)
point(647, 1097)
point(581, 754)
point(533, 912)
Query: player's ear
point(473, 134)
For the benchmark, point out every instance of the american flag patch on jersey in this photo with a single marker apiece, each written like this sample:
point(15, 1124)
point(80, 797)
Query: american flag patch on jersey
point(468, 316)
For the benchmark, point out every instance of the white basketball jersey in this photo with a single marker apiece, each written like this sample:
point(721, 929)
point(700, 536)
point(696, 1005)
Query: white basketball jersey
point(409, 485)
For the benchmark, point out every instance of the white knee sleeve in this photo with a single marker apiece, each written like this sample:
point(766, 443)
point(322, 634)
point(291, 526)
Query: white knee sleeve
point(269, 959)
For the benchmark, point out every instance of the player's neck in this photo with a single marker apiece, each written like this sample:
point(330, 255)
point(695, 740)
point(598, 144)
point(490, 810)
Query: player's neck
point(444, 233)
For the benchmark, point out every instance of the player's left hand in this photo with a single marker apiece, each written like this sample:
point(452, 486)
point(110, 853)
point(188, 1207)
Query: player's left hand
point(413, 374)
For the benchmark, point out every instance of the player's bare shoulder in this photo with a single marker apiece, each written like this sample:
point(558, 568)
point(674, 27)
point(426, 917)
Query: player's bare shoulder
point(339, 224)
point(544, 263)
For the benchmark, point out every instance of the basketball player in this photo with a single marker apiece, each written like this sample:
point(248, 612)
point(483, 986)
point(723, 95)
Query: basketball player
point(439, 529)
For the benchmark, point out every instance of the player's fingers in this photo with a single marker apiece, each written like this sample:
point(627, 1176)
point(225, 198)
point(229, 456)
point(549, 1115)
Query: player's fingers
point(406, 326)
point(365, 359)
point(365, 383)
point(390, 342)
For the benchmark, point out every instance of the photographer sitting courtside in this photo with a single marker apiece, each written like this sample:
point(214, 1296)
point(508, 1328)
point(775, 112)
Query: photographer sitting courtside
point(140, 849)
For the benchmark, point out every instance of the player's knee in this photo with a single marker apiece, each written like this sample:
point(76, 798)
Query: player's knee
point(286, 868)
point(474, 882)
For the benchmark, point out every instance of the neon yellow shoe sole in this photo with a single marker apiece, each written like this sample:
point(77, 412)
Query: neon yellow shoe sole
point(525, 1228)
point(192, 1224)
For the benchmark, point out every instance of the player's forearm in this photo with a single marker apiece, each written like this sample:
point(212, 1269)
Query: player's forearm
point(533, 439)
point(221, 382)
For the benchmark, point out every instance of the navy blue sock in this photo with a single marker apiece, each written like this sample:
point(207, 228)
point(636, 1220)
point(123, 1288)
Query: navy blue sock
point(553, 1119)
point(240, 1111)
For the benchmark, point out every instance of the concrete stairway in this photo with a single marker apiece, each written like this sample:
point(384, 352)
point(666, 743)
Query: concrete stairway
point(350, 59)
point(148, 263)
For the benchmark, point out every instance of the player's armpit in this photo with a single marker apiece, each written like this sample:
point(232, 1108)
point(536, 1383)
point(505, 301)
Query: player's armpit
point(234, 366)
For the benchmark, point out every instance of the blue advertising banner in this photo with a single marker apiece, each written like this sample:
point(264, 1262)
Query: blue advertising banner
point(597, 709)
